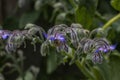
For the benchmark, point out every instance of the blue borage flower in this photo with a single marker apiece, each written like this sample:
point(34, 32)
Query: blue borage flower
point(4, 34)
point(57, 37)
point(112, 47)
point(97, 55)
point(13, 38)
point(14, 41)
point(59, 41)
point(101, 46)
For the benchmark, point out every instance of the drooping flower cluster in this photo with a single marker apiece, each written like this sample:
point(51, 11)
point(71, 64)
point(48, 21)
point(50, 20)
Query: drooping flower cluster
point(79, 39)
point(14, 39)
point(63, 38)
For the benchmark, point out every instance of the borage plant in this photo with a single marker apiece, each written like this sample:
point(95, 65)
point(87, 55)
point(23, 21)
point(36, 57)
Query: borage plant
point(88, 50)
point(72, 44)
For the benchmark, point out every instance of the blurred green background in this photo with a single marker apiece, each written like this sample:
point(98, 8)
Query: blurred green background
point(15, 14)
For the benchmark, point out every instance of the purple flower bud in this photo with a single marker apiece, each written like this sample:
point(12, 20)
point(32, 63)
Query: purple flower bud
point(45, 35)
point(101, 49)
point(61, 38)
point(112, 47)
point(52, 38)
point(97, 58)
point(5, 36)
point(105, 50)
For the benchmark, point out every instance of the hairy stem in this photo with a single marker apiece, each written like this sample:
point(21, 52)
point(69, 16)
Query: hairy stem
point(111, 21)
point(99, 16)
point(84, 70)
point(81, 67)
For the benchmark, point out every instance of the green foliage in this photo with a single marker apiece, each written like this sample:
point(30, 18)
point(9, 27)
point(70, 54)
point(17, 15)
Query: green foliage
point(28, 76)
point(116, 4)
point(85, 12)
point(97, 74)
point(46, 13)
point(114, 66)
point(29, 17)
point(52, 61)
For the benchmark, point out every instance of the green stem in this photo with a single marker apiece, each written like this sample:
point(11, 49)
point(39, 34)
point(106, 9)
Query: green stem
point(84, 70)
point(99, 16)
point(73, 3)
point(111, 21)
point(22, 67)
point(16, 65)
point(81, 67)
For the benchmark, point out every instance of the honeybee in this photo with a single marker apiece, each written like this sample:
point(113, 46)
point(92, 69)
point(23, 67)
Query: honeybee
point(57, 42)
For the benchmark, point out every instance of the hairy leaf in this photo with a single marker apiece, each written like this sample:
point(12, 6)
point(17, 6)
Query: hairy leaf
point(52, 61)
point(115, 67)
point(116, 4)
point(30, 17)
point(85, 12)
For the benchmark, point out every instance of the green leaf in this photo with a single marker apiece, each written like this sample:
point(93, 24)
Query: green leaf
point(60, 18)
point(97, 73)
point(104, 70)
point(52, 60)
point(30, 17)
point(116, 4)
point(28, 76)
point(85, 12)
point(115, 67)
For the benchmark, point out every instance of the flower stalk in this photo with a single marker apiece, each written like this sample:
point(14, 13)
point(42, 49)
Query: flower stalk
point(81, 67)
point(115, 18)
point(84, 70)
